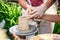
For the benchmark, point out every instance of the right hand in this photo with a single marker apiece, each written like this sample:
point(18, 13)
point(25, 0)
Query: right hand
point(30, 11)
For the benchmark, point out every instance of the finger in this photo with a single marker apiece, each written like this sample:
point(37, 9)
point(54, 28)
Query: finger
point(33, 16)
point(32, 12)
point(27, 11)
point(38, 17)
point(30, 17)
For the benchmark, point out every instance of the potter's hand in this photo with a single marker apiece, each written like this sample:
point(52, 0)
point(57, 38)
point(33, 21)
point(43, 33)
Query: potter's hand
point(29, 12)
point(38, 11)
point(30, 9)
point(16, 37)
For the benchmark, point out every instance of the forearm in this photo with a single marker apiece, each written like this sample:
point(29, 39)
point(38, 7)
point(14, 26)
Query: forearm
point(52, 18)
point(49, 3)
point(23, 3)
point(46, 5)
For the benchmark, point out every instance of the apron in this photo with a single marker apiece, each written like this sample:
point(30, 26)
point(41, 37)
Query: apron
point(44, 26)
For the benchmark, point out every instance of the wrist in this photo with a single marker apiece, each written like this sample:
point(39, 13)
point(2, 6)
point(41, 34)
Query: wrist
point(43, 7)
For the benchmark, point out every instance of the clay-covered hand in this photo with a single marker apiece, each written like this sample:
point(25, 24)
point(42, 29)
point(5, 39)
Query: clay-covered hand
point(37, 12)
point(30, 10)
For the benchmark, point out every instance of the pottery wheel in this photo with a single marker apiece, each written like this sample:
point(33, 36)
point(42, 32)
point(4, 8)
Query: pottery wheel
point(14, 30)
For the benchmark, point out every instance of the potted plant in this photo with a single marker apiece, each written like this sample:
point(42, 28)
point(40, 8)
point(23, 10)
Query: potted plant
point(9, 12)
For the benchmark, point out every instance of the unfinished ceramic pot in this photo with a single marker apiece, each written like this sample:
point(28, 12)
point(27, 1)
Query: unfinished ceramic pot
point(23, 23)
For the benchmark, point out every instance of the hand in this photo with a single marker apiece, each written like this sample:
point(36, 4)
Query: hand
point(37, 12)
point(29, 12)
point(30, 9)
point(16, 37)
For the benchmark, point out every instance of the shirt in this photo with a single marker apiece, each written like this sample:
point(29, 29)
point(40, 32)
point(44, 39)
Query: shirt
point(36, 2)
